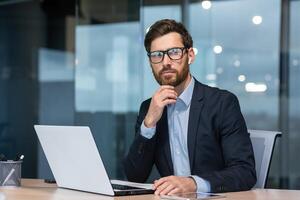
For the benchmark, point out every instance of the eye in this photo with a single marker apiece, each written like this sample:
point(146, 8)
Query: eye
point(174, 51)
point(156, 54)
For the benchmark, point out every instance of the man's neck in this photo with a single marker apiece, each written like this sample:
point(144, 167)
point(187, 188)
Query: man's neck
point(181, 87)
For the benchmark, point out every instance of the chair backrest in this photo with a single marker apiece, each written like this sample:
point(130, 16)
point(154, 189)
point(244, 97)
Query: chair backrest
point(263, 145)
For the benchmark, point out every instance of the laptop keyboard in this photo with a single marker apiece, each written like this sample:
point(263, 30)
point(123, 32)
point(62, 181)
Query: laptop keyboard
point(124, 187)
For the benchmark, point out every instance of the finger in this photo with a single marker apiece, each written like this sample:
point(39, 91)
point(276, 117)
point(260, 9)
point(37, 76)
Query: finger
point(167, 189)
point(168, 102)
point(161, 187)
point(166, 178)
point(174, 191)
point(166, 87)
point(167, 90)
point(161, 181)
point(157, 183)
point(168, 96)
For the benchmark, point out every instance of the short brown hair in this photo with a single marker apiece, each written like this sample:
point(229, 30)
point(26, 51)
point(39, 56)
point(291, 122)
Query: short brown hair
point(165, 26)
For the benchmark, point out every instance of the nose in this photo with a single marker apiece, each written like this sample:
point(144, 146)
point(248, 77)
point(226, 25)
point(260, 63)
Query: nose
point(166, 60)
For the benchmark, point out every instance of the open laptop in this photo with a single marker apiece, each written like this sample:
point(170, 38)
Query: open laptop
point(76, 164)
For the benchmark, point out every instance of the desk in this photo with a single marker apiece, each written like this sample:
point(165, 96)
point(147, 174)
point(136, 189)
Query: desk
point(35, 189)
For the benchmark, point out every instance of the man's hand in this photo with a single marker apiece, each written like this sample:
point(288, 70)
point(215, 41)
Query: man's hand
point(163, 96)
point(174, 184)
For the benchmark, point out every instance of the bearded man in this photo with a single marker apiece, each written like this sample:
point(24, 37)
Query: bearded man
point(196, 135)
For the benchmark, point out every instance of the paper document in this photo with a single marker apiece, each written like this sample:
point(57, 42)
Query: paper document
point(133, 184)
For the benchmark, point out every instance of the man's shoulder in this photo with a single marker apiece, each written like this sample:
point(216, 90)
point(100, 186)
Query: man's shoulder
point(212, 92)
point(145, 104)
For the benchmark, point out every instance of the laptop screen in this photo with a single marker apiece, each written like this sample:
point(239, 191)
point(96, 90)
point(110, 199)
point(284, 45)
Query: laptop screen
point(74, 159)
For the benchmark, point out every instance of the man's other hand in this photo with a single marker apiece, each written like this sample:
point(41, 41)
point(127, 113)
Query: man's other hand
point(174, 184)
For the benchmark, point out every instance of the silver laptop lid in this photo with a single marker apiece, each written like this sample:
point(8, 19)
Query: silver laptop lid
point(74, 158)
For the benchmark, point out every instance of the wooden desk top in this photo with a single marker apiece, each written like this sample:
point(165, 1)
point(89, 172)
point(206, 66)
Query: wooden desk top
point(35, 189)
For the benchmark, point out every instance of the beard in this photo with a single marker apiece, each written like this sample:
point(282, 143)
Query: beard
point(174, 80)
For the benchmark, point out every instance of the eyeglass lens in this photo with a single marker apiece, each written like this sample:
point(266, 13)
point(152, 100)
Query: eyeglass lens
point(173, 53)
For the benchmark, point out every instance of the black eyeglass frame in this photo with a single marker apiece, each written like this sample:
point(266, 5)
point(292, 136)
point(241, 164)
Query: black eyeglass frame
point(167, 52)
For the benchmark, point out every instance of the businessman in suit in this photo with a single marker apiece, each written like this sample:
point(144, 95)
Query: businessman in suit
point(195, 134)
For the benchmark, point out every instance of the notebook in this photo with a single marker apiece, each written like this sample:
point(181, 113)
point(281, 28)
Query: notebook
point(76, 164)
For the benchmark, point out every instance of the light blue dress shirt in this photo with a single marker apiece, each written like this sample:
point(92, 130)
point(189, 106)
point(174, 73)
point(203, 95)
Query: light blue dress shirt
point(178, 118)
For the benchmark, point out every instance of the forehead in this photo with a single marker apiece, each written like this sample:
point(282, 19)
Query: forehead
point(167, 41)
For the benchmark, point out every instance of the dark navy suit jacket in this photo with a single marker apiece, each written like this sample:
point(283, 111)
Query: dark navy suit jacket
point(219, 146)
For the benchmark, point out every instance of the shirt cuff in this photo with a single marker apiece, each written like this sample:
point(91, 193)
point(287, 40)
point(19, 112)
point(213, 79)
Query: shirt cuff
point(147, 132)
point(202, 185)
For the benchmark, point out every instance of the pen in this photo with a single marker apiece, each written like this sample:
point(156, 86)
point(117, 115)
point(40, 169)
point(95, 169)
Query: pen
point(8, 176)
point(21, 158)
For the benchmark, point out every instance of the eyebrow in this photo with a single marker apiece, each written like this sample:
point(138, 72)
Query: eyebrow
point(168, 48)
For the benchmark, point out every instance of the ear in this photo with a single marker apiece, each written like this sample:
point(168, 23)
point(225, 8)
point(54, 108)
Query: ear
point(191, 55)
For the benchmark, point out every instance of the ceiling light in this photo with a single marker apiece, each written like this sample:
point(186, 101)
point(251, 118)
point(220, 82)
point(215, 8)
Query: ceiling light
point(206, 5)
point(218, 49)
point(242, 78)
point(255, 87)
point(257, 20)
point(211, 77)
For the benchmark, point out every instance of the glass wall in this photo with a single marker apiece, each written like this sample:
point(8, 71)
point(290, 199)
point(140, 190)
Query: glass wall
point(149, 14)
point(18, 85)
point(108, 75)
point(239, 54)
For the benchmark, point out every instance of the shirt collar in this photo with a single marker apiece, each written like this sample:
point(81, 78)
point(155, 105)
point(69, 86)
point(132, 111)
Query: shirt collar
point(186, 95)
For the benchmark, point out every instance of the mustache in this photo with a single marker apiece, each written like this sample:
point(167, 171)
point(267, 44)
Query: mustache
point(167, 70)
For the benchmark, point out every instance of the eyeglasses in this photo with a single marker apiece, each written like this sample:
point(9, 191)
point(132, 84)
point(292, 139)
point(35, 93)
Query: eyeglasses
point(175, 53)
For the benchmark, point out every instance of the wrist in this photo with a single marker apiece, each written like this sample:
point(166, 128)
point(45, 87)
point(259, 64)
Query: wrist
point(193, 184)
point(149, 123)
point(202, 185)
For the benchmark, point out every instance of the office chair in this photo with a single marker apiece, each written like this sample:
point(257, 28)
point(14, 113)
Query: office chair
point(263, 143)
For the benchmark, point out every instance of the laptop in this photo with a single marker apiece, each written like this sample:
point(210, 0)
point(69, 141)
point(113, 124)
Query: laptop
point(76, 164)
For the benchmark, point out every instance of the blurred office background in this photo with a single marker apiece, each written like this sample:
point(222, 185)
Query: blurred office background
point(67, 62)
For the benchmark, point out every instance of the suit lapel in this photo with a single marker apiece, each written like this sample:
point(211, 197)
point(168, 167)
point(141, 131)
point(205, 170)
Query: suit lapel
point(194, 116)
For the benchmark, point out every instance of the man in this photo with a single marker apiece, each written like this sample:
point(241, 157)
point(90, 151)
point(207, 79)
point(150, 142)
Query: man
point(194, 134)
